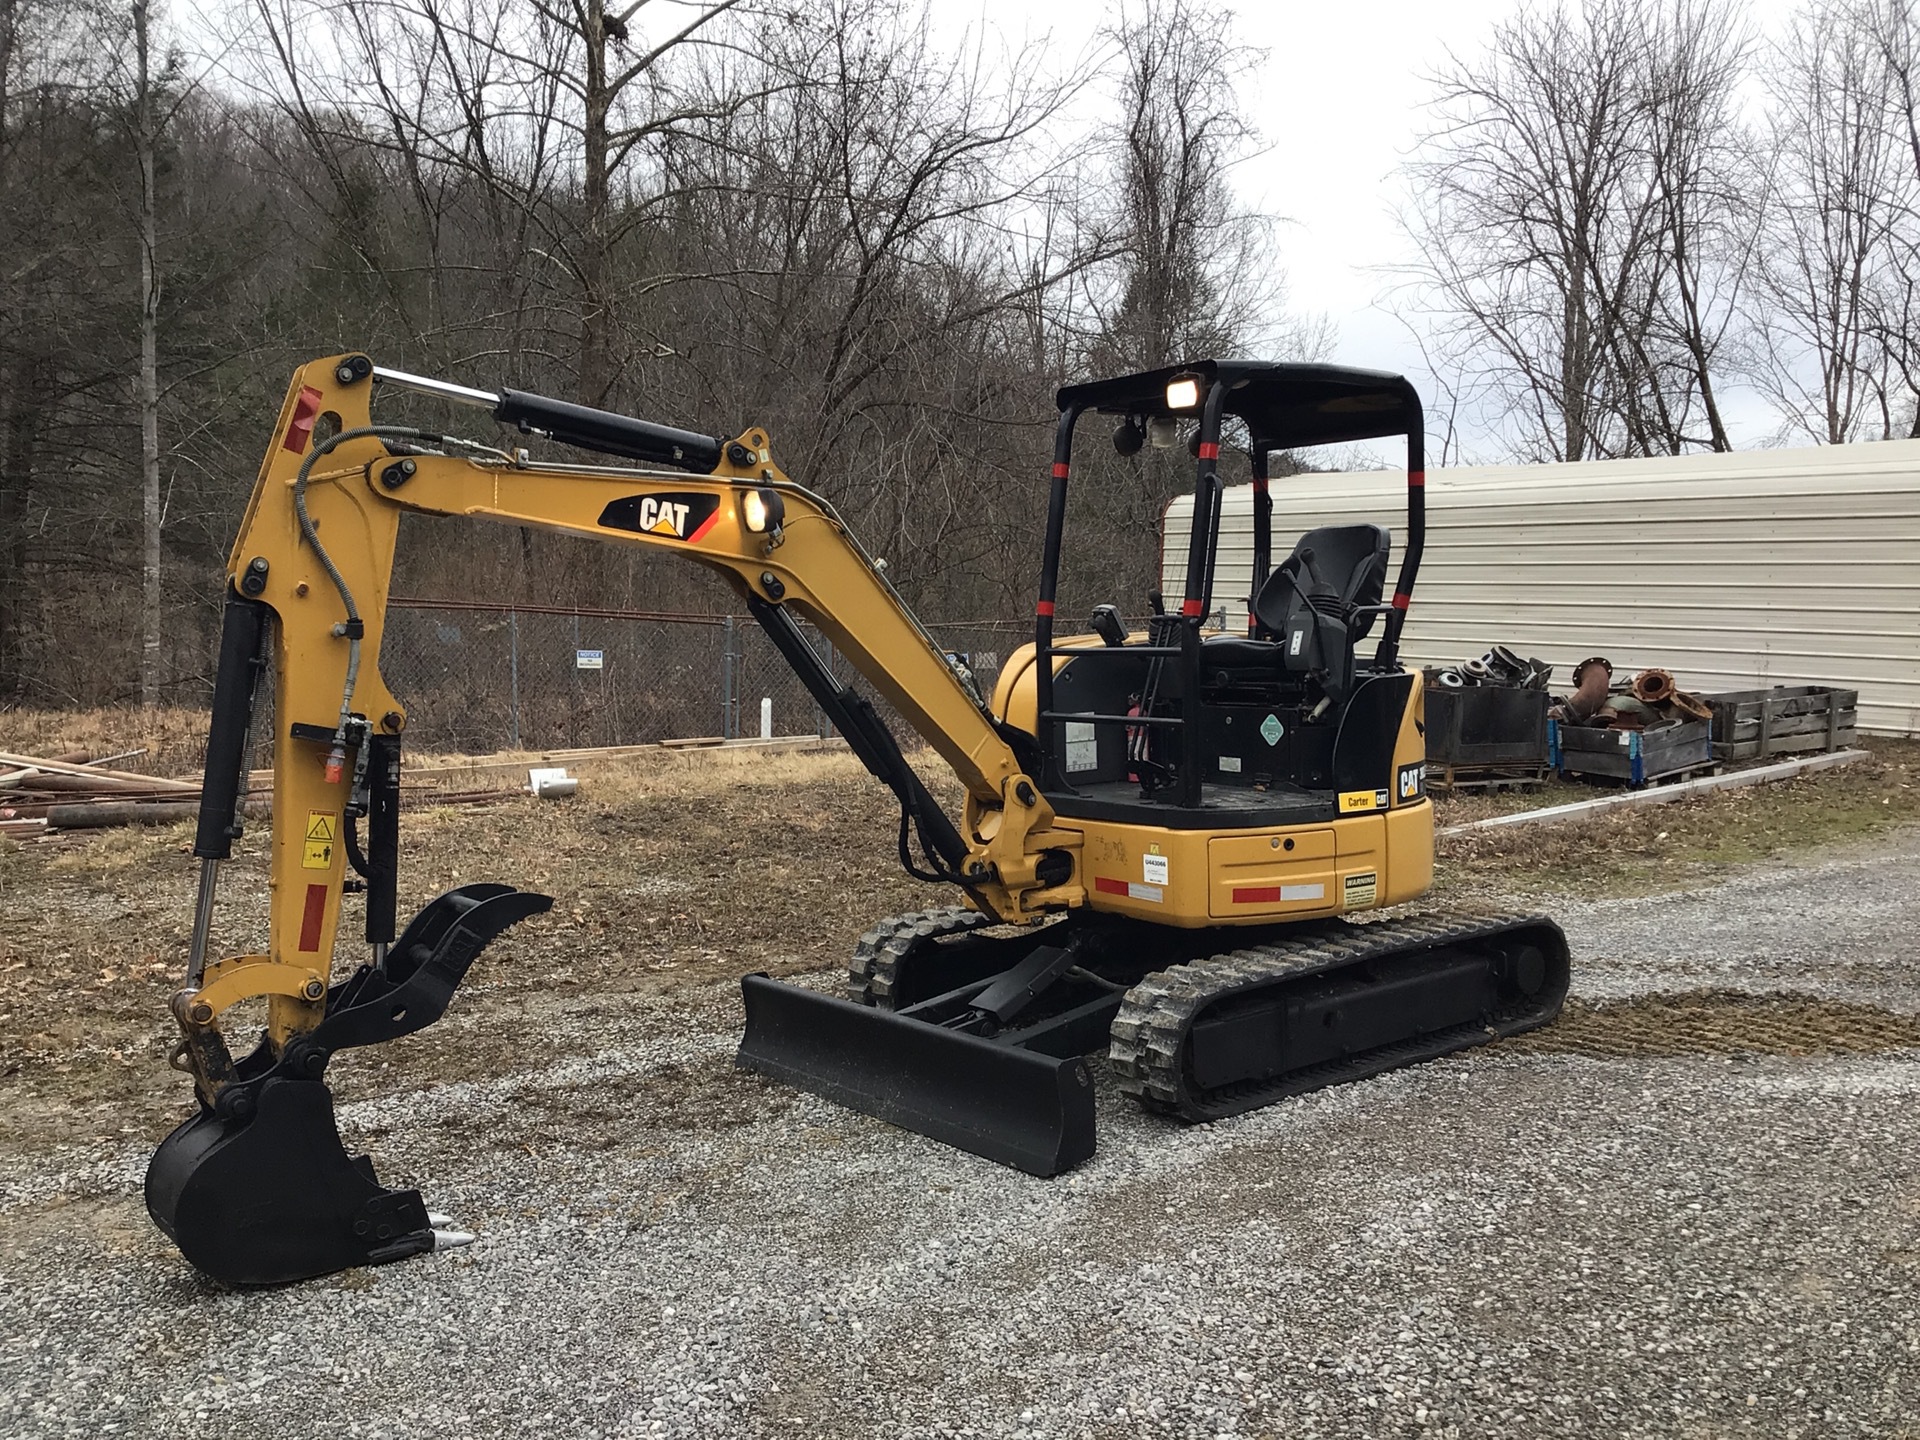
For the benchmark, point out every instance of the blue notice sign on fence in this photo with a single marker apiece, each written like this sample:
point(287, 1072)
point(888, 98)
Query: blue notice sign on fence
point(589, 660)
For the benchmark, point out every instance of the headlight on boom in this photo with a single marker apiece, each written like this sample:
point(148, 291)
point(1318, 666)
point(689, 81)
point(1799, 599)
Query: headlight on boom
point(762, 510)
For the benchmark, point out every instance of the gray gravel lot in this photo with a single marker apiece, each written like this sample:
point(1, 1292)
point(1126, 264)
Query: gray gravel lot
point(1502, 1243)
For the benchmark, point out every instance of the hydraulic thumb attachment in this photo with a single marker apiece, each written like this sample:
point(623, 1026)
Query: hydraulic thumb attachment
point(257, 1189)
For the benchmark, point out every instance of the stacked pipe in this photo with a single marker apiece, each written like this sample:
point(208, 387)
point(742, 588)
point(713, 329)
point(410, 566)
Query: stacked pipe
point(1652, 700)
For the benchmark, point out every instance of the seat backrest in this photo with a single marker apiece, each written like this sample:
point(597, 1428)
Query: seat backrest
point(1347, 570)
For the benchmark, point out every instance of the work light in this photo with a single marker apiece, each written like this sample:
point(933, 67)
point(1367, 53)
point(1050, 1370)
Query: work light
point(1183, 393)
point(762, 510)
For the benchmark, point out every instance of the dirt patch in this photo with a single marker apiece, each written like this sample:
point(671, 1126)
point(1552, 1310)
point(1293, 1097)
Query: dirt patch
point(1721, 1022)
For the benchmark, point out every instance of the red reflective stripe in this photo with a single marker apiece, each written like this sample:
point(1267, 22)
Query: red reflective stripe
point(1401, 602)
point(1109, 887)
point(1059, 469)
point(1256, 894)
point(1260, 482)
point(1209, 450)
point(310, 920)
point(705, 525)
point(1417, 477)
point(1189, 607)
point(1045, 607)
point(306, 410)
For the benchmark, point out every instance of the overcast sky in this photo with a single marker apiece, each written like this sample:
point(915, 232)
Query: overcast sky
point(1343, 111)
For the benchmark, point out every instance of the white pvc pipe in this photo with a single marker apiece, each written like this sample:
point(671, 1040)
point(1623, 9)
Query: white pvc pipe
point(1661, 794)
point(766, 717)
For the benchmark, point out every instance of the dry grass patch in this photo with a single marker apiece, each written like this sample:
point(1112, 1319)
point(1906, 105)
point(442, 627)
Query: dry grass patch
point(1646, 849)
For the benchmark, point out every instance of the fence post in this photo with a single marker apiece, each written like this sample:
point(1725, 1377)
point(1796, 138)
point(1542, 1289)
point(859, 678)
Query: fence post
point(727, 707)
point(513, 673)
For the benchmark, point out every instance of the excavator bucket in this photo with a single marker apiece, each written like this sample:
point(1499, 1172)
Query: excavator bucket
point(257, 1189)
point(276, 1198)
point(996, 1099)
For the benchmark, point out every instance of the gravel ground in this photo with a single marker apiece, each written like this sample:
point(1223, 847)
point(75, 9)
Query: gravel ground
point(1510, 1242)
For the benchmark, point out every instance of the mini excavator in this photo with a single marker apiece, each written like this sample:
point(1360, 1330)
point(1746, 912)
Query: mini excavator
point(1167, 833)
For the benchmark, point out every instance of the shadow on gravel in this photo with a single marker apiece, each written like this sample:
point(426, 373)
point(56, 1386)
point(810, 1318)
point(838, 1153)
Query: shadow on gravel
point(1721, 1022)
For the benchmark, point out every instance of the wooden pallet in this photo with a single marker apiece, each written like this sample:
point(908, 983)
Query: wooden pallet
point(1665, 777)
point(1448, 779)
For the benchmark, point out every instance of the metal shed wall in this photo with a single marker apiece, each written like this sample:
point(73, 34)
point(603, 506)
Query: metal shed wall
point(1762, 567)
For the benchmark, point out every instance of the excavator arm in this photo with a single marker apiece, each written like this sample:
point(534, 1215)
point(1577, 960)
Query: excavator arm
point(257, 1188)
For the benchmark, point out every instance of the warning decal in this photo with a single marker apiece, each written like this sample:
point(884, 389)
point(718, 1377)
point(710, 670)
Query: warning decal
point(323, 833)
point(1360, 892)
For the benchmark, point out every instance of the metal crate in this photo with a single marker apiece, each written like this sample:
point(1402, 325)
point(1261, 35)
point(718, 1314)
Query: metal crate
point(1486, 734)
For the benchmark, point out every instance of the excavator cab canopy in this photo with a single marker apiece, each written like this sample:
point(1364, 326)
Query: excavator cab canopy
point(1285, 406)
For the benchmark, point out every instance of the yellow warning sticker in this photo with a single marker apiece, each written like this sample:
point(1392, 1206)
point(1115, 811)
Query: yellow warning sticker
point(1360, 892)
point(322, 835)
point(1351, 800)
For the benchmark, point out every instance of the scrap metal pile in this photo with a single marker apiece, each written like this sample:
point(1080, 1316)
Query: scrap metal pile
point(1499, 666)
point(1650, 701)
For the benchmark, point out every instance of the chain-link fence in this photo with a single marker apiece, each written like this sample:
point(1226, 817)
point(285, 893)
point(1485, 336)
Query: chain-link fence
point(478, 678)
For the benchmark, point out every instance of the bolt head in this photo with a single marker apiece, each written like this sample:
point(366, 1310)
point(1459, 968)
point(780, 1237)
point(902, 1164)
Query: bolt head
point(200, 1012)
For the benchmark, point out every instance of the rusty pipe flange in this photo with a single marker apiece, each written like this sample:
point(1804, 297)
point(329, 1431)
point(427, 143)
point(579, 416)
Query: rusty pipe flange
point(1691, 705)
point(1581, 669)
point(1475, 671)
point(1653, 686)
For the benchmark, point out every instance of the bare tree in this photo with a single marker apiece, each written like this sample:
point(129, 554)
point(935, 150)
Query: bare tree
point(1832, 218)
point(1570, 210)
point(1194, 272)
point(146, 123)
point(1893, 31)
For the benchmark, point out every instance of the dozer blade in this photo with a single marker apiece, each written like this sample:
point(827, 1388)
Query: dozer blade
point(257, 1189)
point(1031, 1111)
point(277, 1198)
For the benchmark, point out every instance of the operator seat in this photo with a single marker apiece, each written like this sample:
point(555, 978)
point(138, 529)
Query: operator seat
point(1320, 600)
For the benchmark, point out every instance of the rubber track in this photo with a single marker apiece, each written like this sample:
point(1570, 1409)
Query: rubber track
point(1149, 1035)
point(878, 953)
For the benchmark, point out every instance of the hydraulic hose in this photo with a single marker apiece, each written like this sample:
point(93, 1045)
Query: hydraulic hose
point(353, 628)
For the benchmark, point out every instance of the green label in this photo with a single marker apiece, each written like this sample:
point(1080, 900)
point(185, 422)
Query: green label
point(1271, 729)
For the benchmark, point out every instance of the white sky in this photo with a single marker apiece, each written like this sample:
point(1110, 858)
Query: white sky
point(1343, 112)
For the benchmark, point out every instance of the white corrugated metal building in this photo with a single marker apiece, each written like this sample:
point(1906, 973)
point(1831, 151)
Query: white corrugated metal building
point(1758, 568)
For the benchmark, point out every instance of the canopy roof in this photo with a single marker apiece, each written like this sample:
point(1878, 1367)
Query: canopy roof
point(1283, 405)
